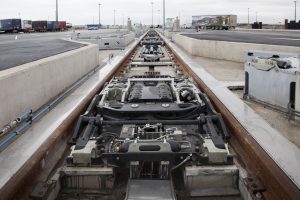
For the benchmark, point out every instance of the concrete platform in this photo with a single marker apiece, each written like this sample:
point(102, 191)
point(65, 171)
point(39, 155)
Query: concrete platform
point(19, 48)
point(282, 39)
point(21, 52)
point(31, 85)
point(118, 40)
point(222, 70)
point(231, 49)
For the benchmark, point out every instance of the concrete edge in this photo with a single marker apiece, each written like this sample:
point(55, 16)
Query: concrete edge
point(268, 30)
point(219, 49)
point(26, 66)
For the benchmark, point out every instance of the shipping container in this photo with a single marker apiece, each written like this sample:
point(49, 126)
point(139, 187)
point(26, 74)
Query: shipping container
point(26, 25)
point(52, 26)
point(39, 25)
point(257, 25)
point(62, 25)
point(216, 22)
point(292, 25)
point(93, 26)
point(10, 25)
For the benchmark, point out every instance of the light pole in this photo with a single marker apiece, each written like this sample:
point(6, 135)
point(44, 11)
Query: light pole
point(256, 16)
point(99, 15)
point(152, 12)
point(164, 11)
point(114, 17)
point(159, 17)
point(248, 17)
point(56, 11)
point(295, 10)
point(123, 20)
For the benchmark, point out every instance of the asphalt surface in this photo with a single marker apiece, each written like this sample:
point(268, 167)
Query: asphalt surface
point(283, 39)
point(18, 53)
point(18, 49)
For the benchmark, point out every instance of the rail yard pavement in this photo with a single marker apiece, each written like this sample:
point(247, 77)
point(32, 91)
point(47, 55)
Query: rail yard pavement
point(271, 38)
point(21, 52)
point(18, 49)
point(228, 71)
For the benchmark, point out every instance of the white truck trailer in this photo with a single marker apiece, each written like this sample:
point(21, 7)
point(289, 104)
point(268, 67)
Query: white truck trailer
point(214, 22)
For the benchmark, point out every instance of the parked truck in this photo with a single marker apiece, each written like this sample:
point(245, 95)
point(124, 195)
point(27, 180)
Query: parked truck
point(52, 25)
point(40, 26)
point(10, 25)
point(69, 25)
point(27, 26)
point(214, 22)
point(62, 25)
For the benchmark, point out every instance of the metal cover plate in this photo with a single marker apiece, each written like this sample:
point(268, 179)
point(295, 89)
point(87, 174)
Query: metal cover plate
point(149, 190)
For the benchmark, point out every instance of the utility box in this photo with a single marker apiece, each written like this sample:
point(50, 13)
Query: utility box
point(273, 78)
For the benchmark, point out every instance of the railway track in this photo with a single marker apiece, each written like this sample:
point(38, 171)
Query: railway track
point(151, 129)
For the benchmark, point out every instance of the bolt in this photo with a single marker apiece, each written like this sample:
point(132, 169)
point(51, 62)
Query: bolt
point(258, 195)
point(165, 105)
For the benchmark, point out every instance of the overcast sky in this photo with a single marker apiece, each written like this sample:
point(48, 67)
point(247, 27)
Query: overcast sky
point(86, 11)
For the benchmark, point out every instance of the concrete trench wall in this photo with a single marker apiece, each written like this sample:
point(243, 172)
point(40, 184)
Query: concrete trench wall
point(32, 85)
point(129, 38)
point(231, 51)
point(169, 34)
point(114, 42)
